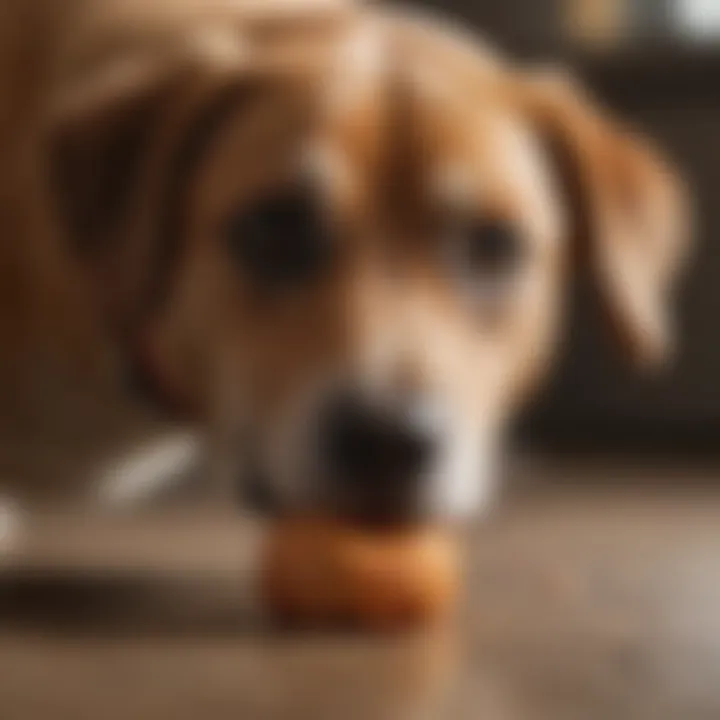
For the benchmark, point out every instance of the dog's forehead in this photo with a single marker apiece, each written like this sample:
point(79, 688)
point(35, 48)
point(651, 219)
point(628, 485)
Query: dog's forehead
point(407, 88)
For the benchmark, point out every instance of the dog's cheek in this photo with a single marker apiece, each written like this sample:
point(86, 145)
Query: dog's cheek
point(187, 340)
point(175, 360)
point(533, 339)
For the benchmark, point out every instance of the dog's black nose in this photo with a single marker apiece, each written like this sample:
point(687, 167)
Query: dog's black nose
point(376, 457)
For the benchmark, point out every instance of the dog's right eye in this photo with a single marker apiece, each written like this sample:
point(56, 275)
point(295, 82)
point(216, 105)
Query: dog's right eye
point(283, 241)
point(494, 248)
point(488, 250)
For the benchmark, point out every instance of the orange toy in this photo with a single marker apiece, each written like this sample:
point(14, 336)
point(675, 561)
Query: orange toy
point(324, 572)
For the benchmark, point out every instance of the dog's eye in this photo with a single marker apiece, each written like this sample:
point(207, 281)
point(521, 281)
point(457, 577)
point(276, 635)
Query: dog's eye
point(282, 241)
point(485, 250)
point(486, 258)
point(493, 248)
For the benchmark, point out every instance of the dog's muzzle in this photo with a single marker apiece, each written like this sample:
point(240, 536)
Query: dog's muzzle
point(374, 457)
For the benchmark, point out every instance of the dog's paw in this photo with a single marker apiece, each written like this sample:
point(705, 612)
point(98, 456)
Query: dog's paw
point(148, 471)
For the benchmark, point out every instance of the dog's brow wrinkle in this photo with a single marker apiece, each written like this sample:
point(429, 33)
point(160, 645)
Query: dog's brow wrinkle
point(360, 60)
point(364, 51)
point(431, 82)
point(453, 185)
point(225, 47)
point(323, 163)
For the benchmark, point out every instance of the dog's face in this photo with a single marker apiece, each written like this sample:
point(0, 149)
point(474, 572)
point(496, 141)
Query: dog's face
point(366, 264)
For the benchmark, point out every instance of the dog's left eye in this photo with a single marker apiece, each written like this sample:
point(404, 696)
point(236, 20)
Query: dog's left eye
point(492, 248)
point(282, 241)
point(484, 250)
point(485, 258)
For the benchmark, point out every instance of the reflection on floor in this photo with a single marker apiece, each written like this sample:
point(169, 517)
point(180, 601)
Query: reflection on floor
point(602, 602)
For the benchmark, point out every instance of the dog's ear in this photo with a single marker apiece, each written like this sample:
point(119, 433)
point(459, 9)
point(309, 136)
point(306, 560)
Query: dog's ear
point(132, 111)
point(629, 213)
point(102, 122)
point(111, 131)
point(121, 76)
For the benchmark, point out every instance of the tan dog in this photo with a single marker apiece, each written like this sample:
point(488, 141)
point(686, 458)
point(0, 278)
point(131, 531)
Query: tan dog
point(337, 237)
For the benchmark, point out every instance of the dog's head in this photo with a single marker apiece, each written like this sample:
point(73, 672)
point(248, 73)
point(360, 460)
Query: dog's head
point(342, 238)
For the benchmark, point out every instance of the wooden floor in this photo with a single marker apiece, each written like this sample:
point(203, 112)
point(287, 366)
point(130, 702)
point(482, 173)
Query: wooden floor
point(601, 603)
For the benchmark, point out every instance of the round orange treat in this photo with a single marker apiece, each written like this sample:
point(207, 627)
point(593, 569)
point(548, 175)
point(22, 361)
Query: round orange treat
point(325, 571)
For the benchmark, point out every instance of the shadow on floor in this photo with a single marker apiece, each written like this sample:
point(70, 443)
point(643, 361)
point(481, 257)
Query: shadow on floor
point(74, 602)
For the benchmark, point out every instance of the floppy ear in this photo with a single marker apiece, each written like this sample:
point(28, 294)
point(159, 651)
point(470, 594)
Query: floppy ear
point(629, 212)
point(135, 105)
point(112, 128)
point(108, 118)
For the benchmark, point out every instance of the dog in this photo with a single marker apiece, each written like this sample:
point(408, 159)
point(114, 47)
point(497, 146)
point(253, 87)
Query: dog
point(335, 238)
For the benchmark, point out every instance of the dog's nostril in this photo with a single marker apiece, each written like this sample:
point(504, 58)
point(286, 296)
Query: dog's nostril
point(364, 443)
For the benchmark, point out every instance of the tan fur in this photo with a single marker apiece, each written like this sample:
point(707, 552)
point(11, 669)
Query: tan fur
point(389, 107)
